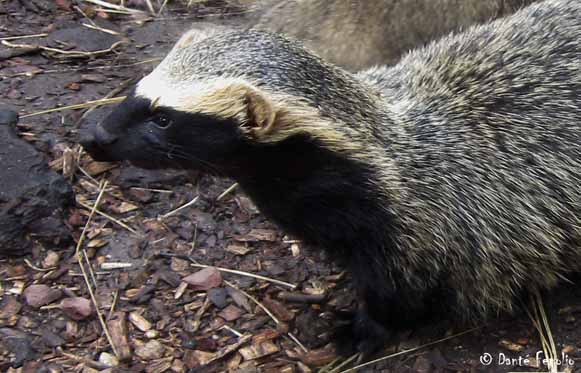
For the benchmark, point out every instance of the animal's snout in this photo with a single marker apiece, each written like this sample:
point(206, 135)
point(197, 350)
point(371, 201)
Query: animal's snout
point(96, 140)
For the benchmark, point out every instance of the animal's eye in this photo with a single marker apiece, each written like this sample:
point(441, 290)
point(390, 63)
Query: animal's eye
point(162, 121)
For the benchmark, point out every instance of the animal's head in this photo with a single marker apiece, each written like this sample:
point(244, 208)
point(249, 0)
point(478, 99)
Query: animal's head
point(212, 101)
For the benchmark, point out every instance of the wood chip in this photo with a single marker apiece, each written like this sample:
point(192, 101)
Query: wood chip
point(319, 357)
point(278, 309)
point(97, 168)
point(258, 350)
point(119, 333)
point(204, 279)
point(139, 321)
point(230, 313)
point(238, 249)
point(180, 290)
point(511, 346)
point(256, 235)
point(151, 350)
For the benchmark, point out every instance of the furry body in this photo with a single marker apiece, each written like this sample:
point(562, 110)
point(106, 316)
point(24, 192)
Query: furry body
point(449, 180)
point(359, 34)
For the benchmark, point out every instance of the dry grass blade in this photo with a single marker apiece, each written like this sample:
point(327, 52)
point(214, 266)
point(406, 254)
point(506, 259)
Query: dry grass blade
point(226, 270)
point(70, 54)
point(227, 191)
point(267, 311)
point(87, 68)
point(247, 274)
point(24, 37)
point(108, 101)
point(355, 368)
point(118, 8)
point(105, 30)
point(116, 221)
point(175, 211)
point(162, 7)
point(541, 322)
point(344, 363)
point(79, 254)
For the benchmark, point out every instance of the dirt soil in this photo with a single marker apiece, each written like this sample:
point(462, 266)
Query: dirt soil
point(163, 311)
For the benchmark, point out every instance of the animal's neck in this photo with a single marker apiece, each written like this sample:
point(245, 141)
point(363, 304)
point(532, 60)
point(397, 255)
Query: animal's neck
point(315, 194)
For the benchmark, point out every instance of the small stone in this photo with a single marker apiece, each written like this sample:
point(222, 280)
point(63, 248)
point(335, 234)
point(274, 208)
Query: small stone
point(40, 295)
point(51, 260)
point(151, 334)
point(108, 359)
point(151, 350)
point(218, 297)
point(205, 279)
point(77, 308)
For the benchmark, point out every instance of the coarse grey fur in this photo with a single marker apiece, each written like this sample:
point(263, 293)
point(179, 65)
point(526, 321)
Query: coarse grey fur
point(358, 34)
point(455, 172)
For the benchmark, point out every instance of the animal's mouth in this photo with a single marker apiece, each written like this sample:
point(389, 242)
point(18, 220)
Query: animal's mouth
point(97, 153)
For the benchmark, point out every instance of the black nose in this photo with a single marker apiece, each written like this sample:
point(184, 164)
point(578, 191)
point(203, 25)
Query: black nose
point(95, 141)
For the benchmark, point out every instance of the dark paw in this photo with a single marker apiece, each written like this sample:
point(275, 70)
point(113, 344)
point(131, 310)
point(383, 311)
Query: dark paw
point(358, 333)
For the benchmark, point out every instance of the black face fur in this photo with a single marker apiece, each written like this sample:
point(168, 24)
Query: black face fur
point(164, 138)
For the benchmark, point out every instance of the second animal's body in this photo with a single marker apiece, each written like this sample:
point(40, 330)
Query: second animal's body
point(448, 181)
point(357, 34)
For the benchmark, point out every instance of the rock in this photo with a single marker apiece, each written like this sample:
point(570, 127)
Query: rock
point(204, 279)
point(77, 308)
point(40, 295)
point(218, 297)
point(108, 359)
point(33, 198)
point(18, 343)
point(151, 350)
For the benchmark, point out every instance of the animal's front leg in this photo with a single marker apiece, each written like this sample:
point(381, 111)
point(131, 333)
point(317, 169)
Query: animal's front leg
point(386, 305)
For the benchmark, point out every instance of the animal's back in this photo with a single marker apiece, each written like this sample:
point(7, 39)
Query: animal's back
point(488, 140)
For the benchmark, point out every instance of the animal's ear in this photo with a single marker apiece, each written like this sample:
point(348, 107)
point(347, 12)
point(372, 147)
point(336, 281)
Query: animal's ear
point(261, 113)
point(255, 110)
